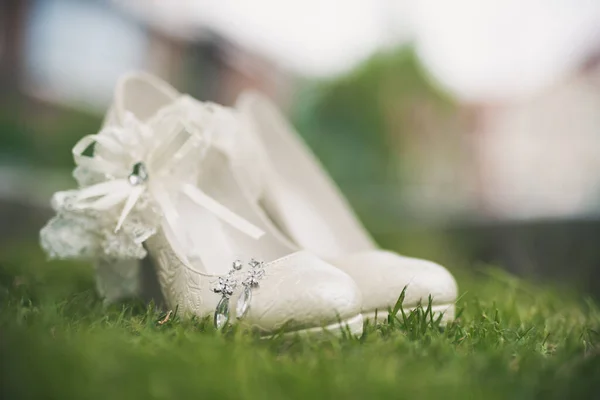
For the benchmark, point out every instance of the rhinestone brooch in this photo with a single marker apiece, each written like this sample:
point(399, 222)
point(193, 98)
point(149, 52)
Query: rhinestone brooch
point(139, 174)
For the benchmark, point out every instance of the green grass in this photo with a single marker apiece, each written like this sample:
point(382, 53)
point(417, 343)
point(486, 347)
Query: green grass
point(511, 340)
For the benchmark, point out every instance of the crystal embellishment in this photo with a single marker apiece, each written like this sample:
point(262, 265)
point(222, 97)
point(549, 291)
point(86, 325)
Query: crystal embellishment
point(139, 174)
point(237, 265)
point(255, 274)
point(243, 303)
point(227, 284)
point(222, 313)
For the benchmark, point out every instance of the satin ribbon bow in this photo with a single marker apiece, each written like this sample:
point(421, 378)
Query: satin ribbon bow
point(140, 163)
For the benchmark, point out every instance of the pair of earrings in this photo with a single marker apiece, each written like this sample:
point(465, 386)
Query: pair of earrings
point(226, 286)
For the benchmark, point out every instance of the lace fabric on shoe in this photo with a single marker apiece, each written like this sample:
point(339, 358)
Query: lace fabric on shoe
point(88, 234)
point(130, 183)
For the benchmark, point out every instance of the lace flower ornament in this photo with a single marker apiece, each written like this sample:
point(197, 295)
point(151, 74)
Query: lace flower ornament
point(130, 184)
point(124, 190)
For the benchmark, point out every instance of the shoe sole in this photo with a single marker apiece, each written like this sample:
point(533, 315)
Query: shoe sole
point(352, 326)
point(448, 311)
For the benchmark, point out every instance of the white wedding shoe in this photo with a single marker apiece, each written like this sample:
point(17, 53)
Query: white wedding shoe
point(176, 179)
point(306, 205)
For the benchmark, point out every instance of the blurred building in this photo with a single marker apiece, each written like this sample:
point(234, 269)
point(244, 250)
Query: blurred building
point(539, 157)
point(525, 76)
point(71, 53)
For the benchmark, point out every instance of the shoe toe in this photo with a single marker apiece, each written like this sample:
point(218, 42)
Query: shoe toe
point(382, 275)
point(300, 292)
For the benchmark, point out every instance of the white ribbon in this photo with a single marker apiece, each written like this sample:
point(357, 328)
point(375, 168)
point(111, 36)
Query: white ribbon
point(163, 153)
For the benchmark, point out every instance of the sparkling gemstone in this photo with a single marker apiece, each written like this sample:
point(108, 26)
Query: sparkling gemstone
point(139, 174)
point(253, 263)
point(237, 265)
point(222, 313)
point(243, 303)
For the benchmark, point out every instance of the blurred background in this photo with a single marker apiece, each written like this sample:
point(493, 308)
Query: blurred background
point(464, 131)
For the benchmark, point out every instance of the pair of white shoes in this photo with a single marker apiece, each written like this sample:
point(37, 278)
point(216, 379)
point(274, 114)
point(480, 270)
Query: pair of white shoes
point(238, 217)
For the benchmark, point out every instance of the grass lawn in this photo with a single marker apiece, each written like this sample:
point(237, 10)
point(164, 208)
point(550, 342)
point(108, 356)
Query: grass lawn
point(511, 340)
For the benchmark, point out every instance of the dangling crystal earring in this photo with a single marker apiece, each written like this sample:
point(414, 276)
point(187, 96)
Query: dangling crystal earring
point(225, 286)
point(255, 274)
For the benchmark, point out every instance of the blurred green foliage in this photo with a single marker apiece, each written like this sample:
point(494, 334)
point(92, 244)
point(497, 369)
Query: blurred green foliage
point(360, 124)
point(344, 120)
point(37, 134)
